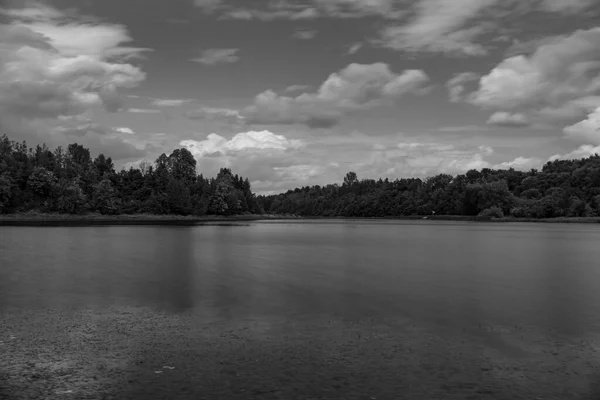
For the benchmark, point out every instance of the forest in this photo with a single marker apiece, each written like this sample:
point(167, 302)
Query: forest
point(70, 181)
point(563, 188)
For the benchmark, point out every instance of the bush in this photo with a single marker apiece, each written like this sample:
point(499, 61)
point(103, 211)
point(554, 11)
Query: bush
point(492, 212)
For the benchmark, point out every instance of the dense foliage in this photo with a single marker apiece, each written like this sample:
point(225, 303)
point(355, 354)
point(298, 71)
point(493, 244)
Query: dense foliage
point(562, 188)
point(70, 181)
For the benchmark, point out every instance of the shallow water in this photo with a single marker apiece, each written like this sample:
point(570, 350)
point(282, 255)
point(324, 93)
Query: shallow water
point(444, 274)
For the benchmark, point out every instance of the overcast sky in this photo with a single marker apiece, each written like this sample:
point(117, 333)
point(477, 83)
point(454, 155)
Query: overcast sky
point(299, 92)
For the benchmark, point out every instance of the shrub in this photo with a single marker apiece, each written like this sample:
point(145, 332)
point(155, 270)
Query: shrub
point(492, 212)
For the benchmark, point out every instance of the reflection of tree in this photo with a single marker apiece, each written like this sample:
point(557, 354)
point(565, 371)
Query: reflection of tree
point(174, 265)
point(225, 298)
point(563, 268)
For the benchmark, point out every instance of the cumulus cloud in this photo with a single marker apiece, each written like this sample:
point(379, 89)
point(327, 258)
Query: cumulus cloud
point(252, 140)
point(587, 130)
point(255, 154)
point(52, 65)
point(506, 119)
point(558, 71)
point(356, 87)
point(218, 56)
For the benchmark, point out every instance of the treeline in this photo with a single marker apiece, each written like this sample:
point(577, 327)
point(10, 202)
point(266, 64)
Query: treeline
point(70, 181)
point(561, 189)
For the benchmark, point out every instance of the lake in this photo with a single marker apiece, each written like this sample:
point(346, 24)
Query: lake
point(487, 279)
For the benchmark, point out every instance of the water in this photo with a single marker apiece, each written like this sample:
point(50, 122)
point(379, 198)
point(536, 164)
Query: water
point(447, 274)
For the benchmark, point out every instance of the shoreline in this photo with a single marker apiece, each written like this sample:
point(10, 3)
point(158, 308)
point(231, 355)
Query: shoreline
point(33, 219)
point(39, 219)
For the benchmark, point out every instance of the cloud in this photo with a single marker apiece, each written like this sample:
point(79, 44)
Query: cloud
point(217, 56)
point(520, 163)
point(440, 26)
point(278, 162)
point(299, 173)
point(252, 140)
point(354, 48)
point(566, 6)
point(296, 88)
point(255, 154)
point(583, 151)
point(169, 102)
point(465, 27)
point(423, 159)
point(561, 70)
point(51, 64)
point(456, 85)
point(143, 111)
point(34, 12)
point(304, 35)
point(506, 119)
point(208, 5)
point(356, 87)
point(587, 130)
point(125, 130)
point(272, 14)
point(292, 10)
point(225, 115)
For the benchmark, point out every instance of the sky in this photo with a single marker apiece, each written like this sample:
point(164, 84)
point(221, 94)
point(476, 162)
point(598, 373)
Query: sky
point(291, 93)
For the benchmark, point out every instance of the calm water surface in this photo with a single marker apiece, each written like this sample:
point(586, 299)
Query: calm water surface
point(443, 273)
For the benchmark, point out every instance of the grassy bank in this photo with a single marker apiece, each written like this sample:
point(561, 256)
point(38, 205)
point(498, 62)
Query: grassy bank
point(470, 218)
point(571, 220)
point(43, 219)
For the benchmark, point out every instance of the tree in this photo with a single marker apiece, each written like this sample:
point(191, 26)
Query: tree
point(104, 166)
point(182, 165)
point(41, 182)
point(105, 199)
point(68, 197)
point(350, 179)
point(5, 192)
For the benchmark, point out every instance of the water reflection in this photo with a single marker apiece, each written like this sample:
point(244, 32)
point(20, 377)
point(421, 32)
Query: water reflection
point(174, 267)
point(453, 275)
